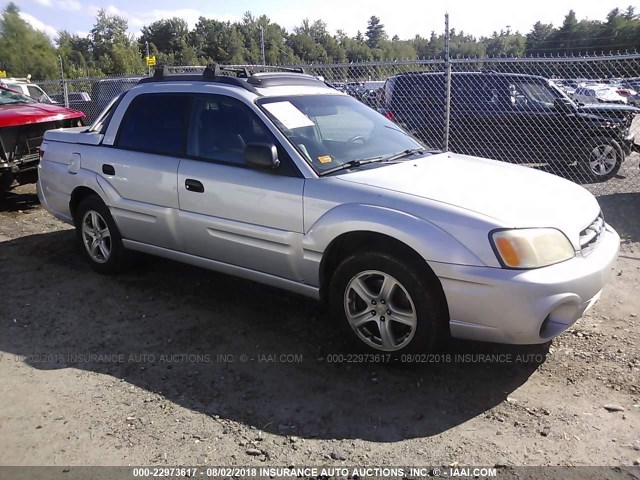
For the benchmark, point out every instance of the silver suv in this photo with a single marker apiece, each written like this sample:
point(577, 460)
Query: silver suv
point(279, 178)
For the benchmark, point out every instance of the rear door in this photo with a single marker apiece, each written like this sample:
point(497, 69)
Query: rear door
point(230, 212)
point(417, 104)
point(140, 171)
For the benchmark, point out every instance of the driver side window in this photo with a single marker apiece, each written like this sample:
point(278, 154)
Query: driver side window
point(221, 128)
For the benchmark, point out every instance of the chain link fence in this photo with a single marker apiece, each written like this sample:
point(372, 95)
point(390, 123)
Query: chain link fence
point(89, 95)
point(572, 116)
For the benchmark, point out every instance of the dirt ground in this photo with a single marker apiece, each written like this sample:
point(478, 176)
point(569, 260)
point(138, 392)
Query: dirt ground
point(169, 364)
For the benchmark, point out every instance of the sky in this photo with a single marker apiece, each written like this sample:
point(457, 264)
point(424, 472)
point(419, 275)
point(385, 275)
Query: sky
point(404, 18)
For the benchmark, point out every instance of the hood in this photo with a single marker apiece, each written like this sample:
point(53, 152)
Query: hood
point(595, 108)
point(28, 113)
point(515, 196)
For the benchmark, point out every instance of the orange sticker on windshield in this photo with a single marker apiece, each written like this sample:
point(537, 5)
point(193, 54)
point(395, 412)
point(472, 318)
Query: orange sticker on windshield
point(324, 159)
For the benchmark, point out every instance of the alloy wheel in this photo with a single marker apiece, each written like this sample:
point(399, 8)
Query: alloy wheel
point(603, 160)
point(380, 310)
point(96, 236)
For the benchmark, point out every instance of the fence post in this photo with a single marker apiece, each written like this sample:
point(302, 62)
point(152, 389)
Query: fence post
point(447, 83)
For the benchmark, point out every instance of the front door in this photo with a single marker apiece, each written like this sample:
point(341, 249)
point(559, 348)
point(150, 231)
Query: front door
point(230, 212)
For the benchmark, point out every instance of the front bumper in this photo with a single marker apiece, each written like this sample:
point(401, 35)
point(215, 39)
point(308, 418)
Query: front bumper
point(628, 144)
point(525, 306)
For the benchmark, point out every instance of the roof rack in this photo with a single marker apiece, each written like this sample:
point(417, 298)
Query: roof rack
point(238, 75)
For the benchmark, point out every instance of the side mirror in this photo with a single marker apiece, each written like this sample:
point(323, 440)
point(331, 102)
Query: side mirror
point(563, 105)
point(262, 155)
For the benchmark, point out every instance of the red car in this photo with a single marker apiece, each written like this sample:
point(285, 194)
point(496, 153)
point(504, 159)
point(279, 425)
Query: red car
point(23, 122)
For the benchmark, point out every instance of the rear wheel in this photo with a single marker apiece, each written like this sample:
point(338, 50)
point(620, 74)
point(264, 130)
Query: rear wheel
point(386, 305)
point(99, 237)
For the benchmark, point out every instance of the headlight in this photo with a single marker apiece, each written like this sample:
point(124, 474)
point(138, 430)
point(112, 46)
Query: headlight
point(531, 247)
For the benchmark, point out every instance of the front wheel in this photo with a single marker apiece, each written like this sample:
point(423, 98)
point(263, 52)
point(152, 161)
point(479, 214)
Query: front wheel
point(6, 181)
point(604, 161)
point(385, 304)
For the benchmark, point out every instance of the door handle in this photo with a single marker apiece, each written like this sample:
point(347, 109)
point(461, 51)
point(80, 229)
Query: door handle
point(193, 185)
point(108, 169)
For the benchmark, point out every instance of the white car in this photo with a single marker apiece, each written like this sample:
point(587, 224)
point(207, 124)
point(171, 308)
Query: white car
point(598, 93)
point(282, 179)
point(25, 87)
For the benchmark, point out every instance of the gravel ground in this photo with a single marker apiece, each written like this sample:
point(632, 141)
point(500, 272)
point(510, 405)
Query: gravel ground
point(148, 368)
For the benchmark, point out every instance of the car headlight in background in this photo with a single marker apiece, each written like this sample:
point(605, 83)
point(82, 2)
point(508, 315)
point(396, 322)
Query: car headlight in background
point(531, 247)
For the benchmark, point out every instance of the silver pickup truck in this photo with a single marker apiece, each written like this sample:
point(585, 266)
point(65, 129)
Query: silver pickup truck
point(281, 179)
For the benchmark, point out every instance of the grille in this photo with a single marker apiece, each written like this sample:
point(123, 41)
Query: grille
point(589, 236)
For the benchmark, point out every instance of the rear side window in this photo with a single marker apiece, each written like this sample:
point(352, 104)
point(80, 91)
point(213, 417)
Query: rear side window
point(478, 92)
point(155, 123)
point(34, 92)
point(413, 94)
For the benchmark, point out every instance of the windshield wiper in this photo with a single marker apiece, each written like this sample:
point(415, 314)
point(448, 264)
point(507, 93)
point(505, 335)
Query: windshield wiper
point(405, 153)
point(381, 158)
point(352, 164)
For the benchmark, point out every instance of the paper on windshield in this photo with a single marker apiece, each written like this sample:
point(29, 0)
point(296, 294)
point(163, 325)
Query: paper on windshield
point(288, 115)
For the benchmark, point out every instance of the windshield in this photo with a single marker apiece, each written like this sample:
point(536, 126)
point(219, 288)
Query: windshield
point(9, 97)
point(535, 94)
point(333, 130)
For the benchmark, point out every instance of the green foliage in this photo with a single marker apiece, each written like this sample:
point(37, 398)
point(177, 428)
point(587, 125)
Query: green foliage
point(169, 36)
point(375, 32)
point(108, 49)
point(24, 50)
point(619, 33)
point(114, 52)
point(505, 44)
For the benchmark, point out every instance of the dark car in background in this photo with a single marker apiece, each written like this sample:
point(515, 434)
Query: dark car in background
point(73, 97)
point(512, 117)
point(105, 90)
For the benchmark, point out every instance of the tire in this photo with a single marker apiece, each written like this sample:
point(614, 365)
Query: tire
point(99, 238)
point(404, 311)
point(6, 182)
point(603, 161)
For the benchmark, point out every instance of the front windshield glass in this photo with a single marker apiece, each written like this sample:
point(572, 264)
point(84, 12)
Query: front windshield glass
point(535, 94)
point(9, 97)
point(332, 130)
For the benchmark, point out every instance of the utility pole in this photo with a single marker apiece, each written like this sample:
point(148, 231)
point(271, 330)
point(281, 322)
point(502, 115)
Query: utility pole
point(447, 83)
point(147, 59)
point(264, 61)
point(65, 90)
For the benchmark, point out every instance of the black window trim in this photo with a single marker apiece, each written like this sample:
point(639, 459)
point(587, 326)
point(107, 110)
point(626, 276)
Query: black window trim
point(110, 114)
point(294, 171)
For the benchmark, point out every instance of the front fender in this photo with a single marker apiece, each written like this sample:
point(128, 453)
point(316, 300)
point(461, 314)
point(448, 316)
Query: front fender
point(428, 240)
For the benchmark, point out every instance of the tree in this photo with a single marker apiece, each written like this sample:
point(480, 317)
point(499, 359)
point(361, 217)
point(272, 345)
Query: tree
point(112, 49)
point(276, 50)
point(75, 52)
point(505, 44)
point(169, 36)
point(539, 38)
point(23, 49)
point(565, 37)
point(375, 32)
point(312, 43)
point(218, 42)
